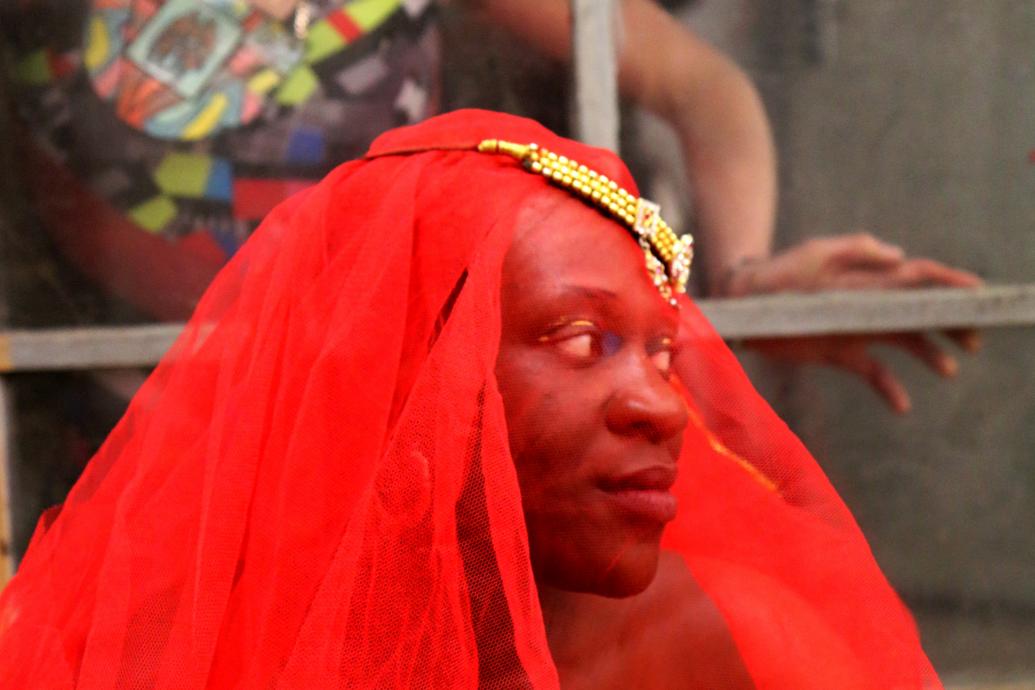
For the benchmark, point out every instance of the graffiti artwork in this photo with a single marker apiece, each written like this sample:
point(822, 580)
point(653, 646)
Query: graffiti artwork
point(185, 44)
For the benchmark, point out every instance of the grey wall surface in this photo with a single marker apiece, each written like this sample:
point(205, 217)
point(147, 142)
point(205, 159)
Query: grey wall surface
point(916, 120)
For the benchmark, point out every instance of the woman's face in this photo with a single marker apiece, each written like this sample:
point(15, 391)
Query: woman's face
point(594, 421)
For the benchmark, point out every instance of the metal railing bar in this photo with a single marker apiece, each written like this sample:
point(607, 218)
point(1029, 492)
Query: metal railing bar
point(770, 316)
point(876, 311)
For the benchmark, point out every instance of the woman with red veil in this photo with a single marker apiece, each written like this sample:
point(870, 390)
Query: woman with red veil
point(446, 421)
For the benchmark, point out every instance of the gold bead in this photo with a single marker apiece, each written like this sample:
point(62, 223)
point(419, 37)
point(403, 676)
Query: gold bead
point(668, 255)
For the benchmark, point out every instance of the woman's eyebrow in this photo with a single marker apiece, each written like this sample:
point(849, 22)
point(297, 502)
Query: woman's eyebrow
point(589, 292)
point(607, 300)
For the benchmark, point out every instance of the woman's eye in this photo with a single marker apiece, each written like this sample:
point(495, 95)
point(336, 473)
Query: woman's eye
point(662, 360)
point(662, 356)
point(582, 346)
point(583, 340)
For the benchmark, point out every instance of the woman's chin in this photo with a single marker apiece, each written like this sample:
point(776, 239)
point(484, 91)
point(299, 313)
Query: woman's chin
point(629, 579)
point(620, 576)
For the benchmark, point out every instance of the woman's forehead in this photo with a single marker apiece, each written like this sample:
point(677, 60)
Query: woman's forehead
point(563, 247)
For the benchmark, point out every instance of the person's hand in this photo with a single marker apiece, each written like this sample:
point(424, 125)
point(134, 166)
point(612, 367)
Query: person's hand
point(842, 262)
point(857, 262)
point(852, 353)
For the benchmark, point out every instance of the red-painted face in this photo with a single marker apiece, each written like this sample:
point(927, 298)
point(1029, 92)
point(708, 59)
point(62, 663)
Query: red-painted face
point(595, 423)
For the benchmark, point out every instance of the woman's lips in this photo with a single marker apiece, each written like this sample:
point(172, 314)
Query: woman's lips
point(644, 493)
point(647, 504)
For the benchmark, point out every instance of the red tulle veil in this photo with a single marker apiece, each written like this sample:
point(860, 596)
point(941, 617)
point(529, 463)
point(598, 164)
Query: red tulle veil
point(314, 483)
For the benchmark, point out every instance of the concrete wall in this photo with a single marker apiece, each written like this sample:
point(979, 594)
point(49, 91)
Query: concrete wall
point(916, 120)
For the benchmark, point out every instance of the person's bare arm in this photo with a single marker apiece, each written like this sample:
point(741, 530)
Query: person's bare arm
point(712, 104)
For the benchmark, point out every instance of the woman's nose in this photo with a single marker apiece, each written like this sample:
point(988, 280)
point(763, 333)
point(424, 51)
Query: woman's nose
point(646, 404)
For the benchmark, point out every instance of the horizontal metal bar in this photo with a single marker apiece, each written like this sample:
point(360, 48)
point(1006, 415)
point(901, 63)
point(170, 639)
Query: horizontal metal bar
point(872, 311)
point(85, 348)
point(769, 316)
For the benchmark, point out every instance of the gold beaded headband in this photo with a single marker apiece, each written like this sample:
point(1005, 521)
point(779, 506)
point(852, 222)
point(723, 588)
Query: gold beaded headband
point(668, 256)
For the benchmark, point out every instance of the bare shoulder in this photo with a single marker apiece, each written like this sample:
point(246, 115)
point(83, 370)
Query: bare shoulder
point(669, 636)
point(684, 638)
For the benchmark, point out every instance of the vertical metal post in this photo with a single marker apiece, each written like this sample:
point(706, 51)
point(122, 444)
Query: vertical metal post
point(9, 192)
point(595, 61)
point(821, 31)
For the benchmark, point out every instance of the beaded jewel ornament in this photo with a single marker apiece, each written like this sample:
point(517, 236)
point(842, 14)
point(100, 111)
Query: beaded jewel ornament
point(667, 255)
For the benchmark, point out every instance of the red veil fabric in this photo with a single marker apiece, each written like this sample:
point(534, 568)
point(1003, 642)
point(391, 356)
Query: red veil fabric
point(315, 484)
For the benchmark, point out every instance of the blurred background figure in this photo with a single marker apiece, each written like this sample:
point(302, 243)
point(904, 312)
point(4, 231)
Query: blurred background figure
point(162, 132)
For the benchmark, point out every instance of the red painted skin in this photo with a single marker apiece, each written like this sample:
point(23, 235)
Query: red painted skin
point(596, 427)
